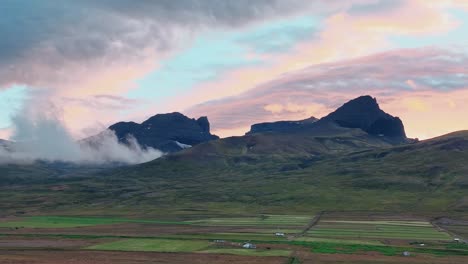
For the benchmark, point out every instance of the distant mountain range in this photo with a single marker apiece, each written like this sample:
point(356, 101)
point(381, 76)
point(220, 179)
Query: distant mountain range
point(174, 132)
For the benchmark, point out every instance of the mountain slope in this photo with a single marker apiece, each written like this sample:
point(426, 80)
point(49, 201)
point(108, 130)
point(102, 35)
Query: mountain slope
point(429, 177)
point(426, 177)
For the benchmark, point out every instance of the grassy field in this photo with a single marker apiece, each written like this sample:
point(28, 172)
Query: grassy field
point(67, 222)
point(338, 240)
point(341, 248)
point(157, 245)
point(174, 245)
point(268, 220)
point(250, 252)
point(404, 230)
point(233, 236)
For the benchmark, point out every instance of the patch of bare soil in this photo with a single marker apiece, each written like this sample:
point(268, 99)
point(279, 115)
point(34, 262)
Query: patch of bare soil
point(455, 227)
point(8, 243)
point(99, 257)
point(372, 258)
point(126, 229)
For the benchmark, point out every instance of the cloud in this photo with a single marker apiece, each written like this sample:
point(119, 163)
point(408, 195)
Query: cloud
point(39, 134)
point(434, 74)
point(308, 109)
point(343, 35)
point(46, 43)
point(79, 50)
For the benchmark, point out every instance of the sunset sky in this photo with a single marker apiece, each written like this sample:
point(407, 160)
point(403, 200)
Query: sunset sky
point(239, 62)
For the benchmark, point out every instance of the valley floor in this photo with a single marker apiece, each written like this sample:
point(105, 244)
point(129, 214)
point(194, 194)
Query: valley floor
point(285, 239)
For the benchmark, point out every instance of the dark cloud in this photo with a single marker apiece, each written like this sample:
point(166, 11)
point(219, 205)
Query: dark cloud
point(46, 41)
point(49, 42)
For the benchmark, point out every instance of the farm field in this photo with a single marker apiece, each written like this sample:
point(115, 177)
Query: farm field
point(116, 257)
point(402, 230)
point(65, 221)
point(262, 220)
point(156, 245)
point(220, 239)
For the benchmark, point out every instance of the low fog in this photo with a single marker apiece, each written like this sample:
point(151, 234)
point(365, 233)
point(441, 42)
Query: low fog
point(39, 134)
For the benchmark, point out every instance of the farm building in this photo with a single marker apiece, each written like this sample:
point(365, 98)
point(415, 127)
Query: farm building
point(279, 234)
point(249, 246)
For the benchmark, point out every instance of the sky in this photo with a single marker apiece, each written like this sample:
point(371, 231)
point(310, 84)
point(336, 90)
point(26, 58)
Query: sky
point(239, 62)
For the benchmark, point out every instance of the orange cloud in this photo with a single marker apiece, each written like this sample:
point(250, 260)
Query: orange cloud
point(447, 112)
point(416, 104)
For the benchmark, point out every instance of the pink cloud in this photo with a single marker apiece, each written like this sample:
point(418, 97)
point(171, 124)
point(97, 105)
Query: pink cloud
point(5, 133)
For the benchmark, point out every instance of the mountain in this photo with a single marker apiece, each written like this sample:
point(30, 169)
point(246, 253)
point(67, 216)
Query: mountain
point(167, 132)
point(361, 113)
point(281, 126)
point(358, 125)
point(364, 113)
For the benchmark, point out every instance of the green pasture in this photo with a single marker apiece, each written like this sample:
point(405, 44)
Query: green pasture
point(250, 252)
point(69, 222)
point(175, 245)
point(156, 245)
point(262, 220)
point(419, 231)
point(232, 236)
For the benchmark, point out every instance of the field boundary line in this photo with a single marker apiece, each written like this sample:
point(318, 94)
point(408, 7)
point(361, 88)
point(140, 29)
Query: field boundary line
point(311, 224)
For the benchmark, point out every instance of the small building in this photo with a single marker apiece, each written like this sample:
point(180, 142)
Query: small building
point(457, 240)
point(280, 234)
point(406, 254)
point(249, 246)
